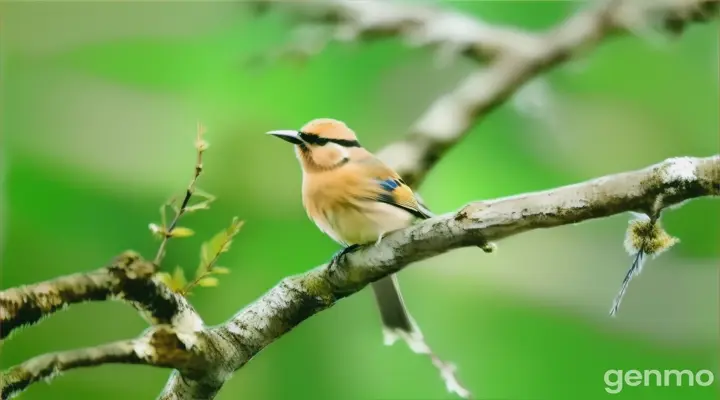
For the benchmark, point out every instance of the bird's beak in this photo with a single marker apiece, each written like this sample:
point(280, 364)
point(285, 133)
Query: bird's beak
point(287, 135)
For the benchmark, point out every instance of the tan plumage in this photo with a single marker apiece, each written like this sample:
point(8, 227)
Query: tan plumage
point(356, 199)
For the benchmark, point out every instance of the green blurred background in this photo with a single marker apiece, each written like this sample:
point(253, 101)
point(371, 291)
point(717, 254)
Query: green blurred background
point(100, 103)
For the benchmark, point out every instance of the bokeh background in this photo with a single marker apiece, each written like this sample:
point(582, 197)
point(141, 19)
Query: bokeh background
point(100, 103)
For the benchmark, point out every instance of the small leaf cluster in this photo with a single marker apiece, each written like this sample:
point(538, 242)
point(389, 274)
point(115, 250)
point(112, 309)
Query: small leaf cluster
point(211, 250)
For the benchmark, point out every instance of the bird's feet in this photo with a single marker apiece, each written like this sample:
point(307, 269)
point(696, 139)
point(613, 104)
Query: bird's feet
point(341, 253)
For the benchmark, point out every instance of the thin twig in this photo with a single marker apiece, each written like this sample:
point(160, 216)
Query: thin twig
point(200, 146)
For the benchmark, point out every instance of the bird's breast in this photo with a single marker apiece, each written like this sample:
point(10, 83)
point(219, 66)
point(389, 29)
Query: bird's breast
point(353, 221)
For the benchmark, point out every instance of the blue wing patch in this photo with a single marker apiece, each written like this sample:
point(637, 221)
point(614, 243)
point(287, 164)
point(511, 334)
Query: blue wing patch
point(395, 198)
point(390, 184)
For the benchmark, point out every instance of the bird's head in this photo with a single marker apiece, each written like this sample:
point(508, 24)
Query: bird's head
point(321, 144)
point(318, 133)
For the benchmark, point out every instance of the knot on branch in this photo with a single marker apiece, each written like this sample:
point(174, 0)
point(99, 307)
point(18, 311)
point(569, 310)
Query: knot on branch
point(469, 214)
point(470, 210)
point(164, 346)
point(130, 266)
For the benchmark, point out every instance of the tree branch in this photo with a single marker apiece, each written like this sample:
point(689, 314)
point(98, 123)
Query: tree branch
point(127, 278)
point(161, 346)
point(299, 297)
point(204, 358)
point(296, 298)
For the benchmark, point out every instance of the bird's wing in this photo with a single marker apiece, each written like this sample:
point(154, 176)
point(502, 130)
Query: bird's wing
point(386, 186)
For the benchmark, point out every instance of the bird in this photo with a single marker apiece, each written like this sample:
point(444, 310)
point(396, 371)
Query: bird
point(356, 199)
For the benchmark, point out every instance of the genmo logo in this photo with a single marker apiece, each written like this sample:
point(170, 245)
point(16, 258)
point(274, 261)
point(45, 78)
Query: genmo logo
point(616, 379)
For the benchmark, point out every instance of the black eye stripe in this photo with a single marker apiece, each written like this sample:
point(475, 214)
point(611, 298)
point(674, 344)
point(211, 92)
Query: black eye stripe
point(312, 138)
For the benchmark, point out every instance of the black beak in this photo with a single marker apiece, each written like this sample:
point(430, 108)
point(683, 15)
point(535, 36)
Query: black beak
point(287, 135)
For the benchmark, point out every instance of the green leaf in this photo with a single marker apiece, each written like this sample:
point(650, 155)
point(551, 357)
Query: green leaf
point(208, 282)
point(181, 232)
point(204, 205)
point(204, 195)
point(218, 244)
point(164, 278)
point(176, 282)
point(163, 214)
point(178, 279)
point(220, 270)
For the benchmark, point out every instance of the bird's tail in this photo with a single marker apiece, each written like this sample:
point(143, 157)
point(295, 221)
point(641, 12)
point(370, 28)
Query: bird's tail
point(397, 322)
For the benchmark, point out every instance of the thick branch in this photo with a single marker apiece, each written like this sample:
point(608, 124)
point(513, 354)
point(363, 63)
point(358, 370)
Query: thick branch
point(204, 359)
point(297, 298)
point(128, 277)
point(161, 346)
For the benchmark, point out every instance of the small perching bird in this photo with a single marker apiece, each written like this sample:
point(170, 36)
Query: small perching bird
point(356, 199)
